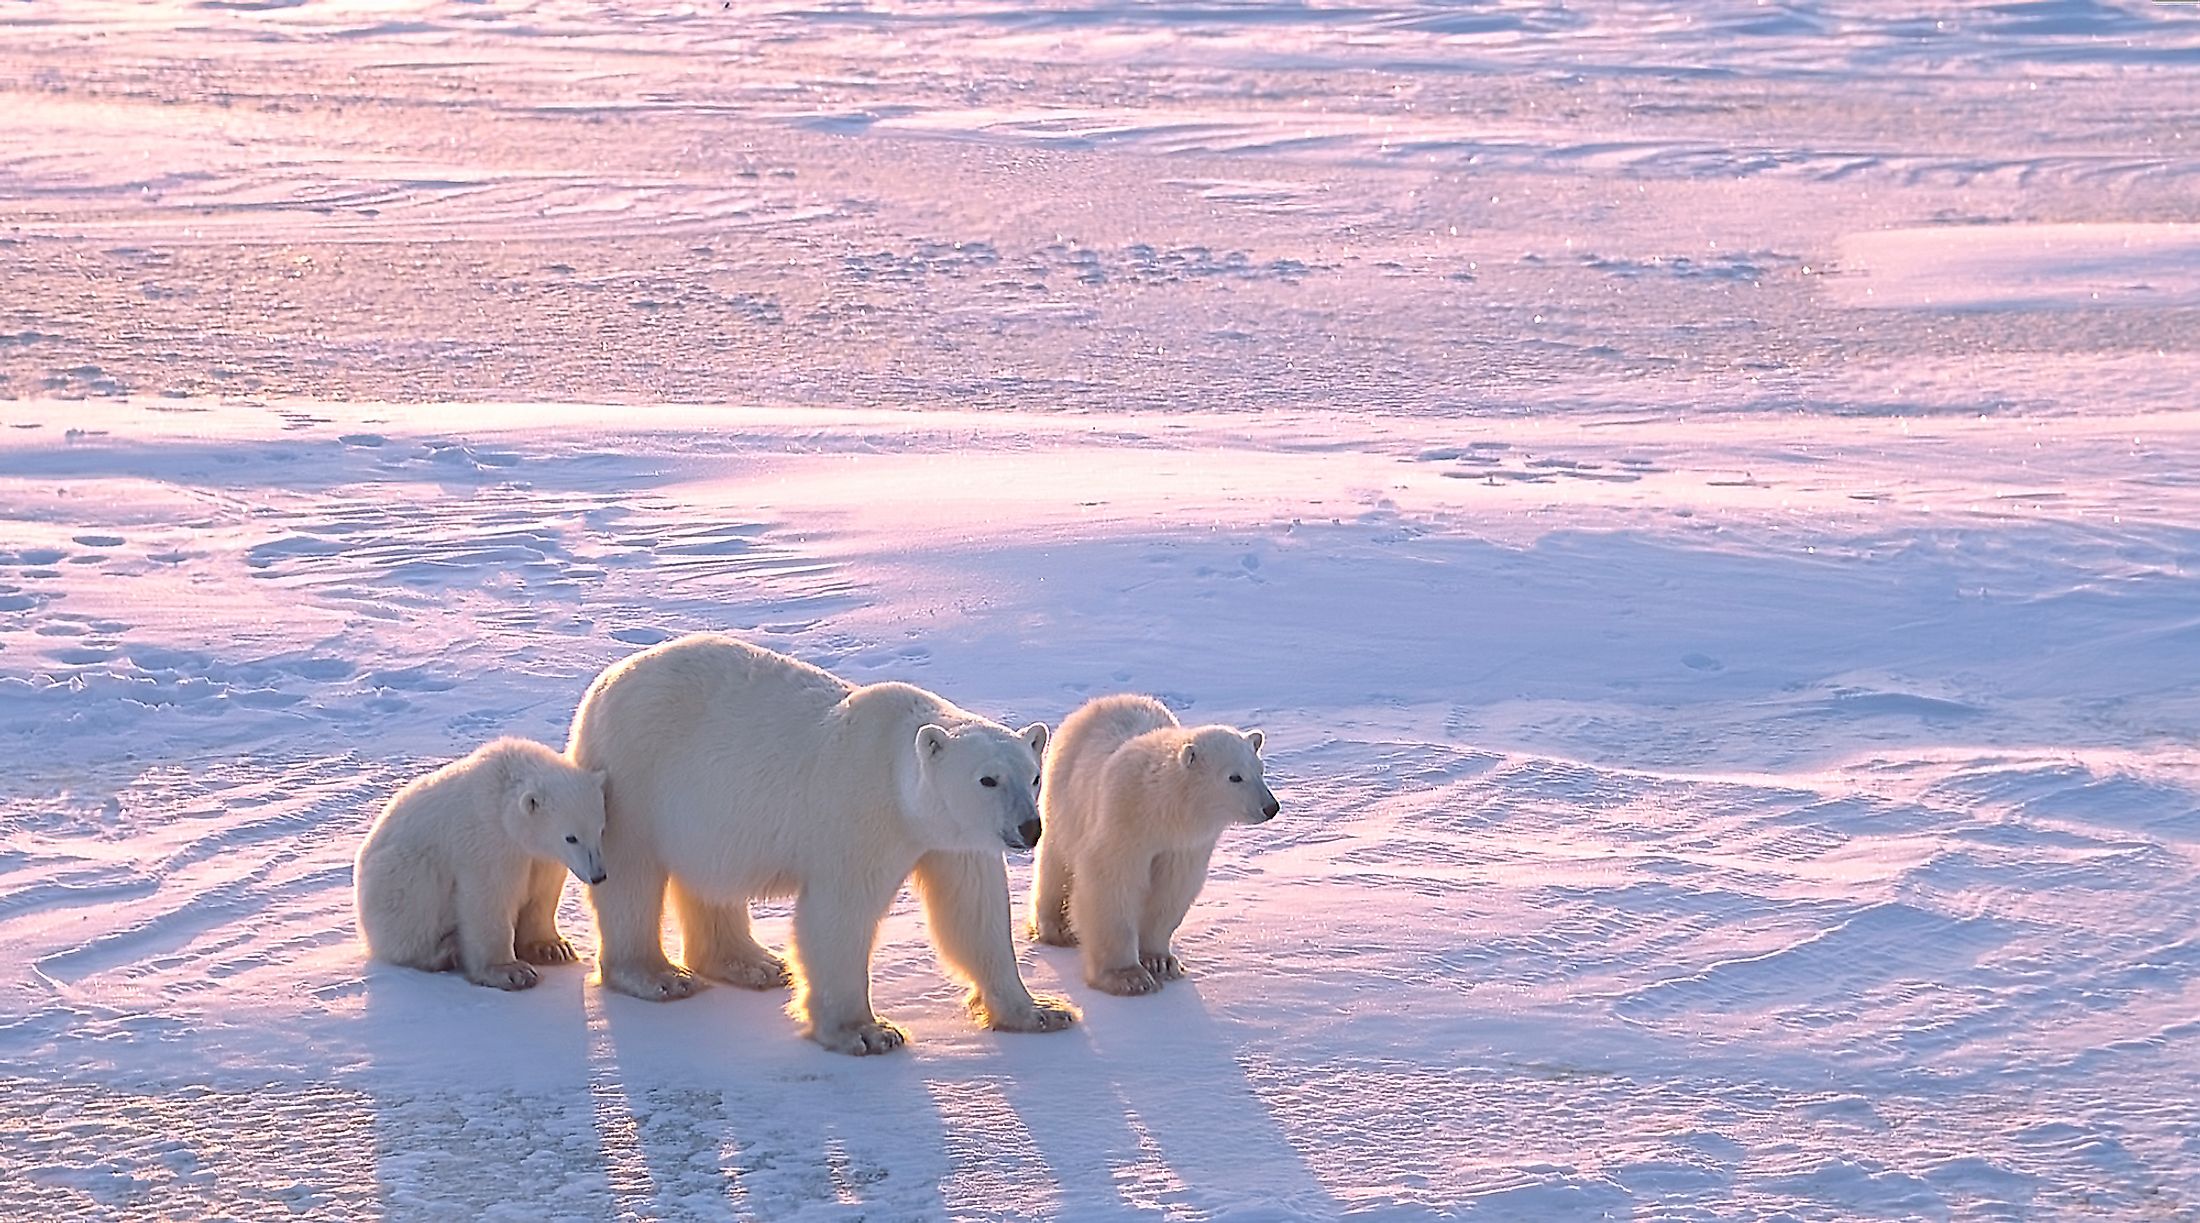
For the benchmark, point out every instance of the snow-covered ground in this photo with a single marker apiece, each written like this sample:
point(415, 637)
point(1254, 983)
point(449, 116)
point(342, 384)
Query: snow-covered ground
point(1704, 500)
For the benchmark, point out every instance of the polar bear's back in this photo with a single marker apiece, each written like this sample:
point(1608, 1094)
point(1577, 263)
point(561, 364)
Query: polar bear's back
point(703, 679)
point(713, 746)
point(465, 798)
point(1070, 792)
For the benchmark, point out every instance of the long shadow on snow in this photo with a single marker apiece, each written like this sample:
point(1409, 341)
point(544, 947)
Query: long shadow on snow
point(468, 1083)
point(1147, 1106)
point(715, 1104)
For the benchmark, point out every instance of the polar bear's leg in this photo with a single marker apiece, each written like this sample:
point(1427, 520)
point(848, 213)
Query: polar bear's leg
point(488, 905)
point(966, 909)
point(407, 910)
point(834, 930)
point(1104, 910)
point(1050, 899)
point(716, 942)
point(536, 936)
point(630, 914)
point(1177, 877)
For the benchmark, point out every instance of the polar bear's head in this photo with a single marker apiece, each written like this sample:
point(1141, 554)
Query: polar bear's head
point(557, 812)
point(978, 785)
point(1225, 775)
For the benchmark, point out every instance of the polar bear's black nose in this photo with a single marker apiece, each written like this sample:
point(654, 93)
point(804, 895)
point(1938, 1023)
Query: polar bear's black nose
point(1029, 831)
point(1271, 809)
point(600, 877)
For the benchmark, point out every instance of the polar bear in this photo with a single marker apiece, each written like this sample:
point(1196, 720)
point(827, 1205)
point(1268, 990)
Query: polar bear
point(1133, 805)
point(738, 773)
point(464, 867)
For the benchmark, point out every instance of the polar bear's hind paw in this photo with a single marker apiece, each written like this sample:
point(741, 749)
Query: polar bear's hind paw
point(548, 951)
point(1043, 1015)
point(509, 975)
point(663, 985)
point(1053, 934)
point(864, 1039)
point(1130, 981)
point(768, 973)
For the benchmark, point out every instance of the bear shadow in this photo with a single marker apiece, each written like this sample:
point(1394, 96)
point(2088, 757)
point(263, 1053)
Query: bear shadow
point(460, 1074)
point(1149, 1108)
point(715, 1105)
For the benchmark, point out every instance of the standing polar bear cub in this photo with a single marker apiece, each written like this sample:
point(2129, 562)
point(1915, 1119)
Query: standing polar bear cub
point(737, 773)
point(464, 868)
point(1134, 803)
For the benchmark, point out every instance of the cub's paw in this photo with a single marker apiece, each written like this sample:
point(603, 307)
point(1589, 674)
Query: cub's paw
point(767, 973)
point(509, 975)
point(1053, 934)
point(863, 1039)
point(1043, 1015)
point(1164, 967)
point(658, 985)
point(548, 951)
point(1130, 980)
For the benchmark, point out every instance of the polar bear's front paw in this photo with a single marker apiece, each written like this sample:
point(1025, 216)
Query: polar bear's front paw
point(509, 975)
point(1129, 980)
point(552, 950)
point(1053, 934)
point(660, 985)
point(767, 973)
point(862, 1039)
point(1164, 967)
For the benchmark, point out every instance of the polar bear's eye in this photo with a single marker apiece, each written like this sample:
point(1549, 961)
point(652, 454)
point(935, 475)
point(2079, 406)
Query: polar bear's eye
point(989, 782)
point(572, 840)
point(1237, 777)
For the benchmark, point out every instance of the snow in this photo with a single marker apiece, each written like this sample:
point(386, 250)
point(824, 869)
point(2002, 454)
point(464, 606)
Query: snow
point(1699, 497)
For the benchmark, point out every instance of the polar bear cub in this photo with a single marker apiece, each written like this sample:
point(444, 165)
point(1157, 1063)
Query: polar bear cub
point(1132, 805)
point(464, 867)
point(738, 773)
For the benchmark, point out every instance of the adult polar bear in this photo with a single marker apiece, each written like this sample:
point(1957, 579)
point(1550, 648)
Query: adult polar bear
point(736, 773)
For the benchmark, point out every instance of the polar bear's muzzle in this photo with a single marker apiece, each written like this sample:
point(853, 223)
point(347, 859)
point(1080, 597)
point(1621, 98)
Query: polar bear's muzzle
point(587, 866)
point(1025, 836)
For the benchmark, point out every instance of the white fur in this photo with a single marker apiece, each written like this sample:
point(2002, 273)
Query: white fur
point(1133, 806)
point(738, 773)
point(464, 867)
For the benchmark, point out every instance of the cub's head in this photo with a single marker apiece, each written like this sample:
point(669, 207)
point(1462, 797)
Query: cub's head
point(979, 785)
point(556, 811)
point(1225, 772)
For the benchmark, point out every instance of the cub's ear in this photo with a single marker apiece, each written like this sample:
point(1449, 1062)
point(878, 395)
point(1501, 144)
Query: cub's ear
point(1187, 754)
point(1035, 737)
point(530, 801)
point(1255, 738)
point(931, 741)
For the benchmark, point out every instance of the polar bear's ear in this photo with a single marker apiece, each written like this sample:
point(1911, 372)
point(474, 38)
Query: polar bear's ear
point(931, 741)
point(530, 801)
point(1187, 754)
point(603, 776)
point(1035, 737)
point(1255, 738)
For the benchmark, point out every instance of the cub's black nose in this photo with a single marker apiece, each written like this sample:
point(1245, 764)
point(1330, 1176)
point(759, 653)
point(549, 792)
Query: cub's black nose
point(1029, 831)
point(598, 879)
point(1271, 809)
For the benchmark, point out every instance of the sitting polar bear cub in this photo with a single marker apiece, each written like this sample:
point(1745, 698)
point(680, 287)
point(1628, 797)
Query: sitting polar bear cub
point(464, 867)
point(1134, 803)
point(738, 773)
